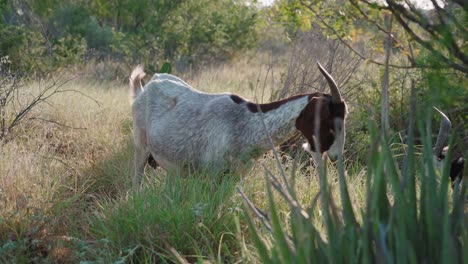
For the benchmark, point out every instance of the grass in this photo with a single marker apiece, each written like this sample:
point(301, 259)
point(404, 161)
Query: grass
point(53, 170)
point(66, 196)
point(407, 216)
point(65, 188)
point(197, 214)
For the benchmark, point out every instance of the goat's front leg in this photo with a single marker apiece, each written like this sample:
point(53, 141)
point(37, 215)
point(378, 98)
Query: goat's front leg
point(140, 156)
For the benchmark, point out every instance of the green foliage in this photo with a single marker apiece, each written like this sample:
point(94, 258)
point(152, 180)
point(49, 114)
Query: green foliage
point(446, 89)
point(292, 14)
point(165, 68)
point(399, 224)
point(60, 33)
point(23, 46)
point(20, 235)
point(77, 22)
point(300, 16)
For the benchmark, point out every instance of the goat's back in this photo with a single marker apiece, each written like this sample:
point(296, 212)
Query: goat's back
point(198, 122)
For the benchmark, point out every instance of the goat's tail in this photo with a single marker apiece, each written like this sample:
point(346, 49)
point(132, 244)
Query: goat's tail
point(135, 81)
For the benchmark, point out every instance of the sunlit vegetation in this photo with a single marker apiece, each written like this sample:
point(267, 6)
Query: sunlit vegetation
point(66, 152)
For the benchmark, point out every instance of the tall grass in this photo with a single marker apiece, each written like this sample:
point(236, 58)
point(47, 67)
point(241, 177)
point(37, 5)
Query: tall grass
point(409, 216)
point(65, 184)
point(66, 197)
point(174, 217)
point(54, 168)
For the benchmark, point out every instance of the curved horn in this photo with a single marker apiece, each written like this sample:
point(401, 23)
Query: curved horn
point(335, 92)
point(444, 132)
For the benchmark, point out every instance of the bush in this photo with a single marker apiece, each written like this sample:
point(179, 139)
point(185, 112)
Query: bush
point(126, 31)
point(24, 47)
point(76, 21)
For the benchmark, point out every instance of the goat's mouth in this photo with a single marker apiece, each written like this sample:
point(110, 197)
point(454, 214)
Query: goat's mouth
point(331, 154)
point(315, 155)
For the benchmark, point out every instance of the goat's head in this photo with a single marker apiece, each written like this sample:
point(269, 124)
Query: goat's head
point(440, 150)
point(457, 163)
point(322, 122)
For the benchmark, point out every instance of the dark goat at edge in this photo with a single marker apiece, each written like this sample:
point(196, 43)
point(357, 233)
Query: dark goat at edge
point(440, 150)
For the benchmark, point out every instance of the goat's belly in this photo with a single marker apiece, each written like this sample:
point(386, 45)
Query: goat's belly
point(183, 147)
point(163, 162)
point(216, 154)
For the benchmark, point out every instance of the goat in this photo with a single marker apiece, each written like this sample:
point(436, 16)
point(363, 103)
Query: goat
point(181, 128)
point(440, 150)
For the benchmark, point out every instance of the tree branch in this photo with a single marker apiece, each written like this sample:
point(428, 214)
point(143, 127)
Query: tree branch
point(394, 40)
point(440, 32)
point(56, 123)
point(351, 47)
point(429, 46)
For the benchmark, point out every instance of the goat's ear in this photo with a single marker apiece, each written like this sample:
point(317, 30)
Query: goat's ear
point(320, 107)
point(317, 107)
point(311, 117)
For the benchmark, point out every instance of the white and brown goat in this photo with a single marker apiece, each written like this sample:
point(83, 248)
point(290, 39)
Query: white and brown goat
point(181, 127)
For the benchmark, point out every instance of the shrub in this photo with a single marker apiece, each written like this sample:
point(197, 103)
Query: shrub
point(56, 34)
point(24, 47)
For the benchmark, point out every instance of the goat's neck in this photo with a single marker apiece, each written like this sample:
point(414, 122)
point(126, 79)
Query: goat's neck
point(279, 122)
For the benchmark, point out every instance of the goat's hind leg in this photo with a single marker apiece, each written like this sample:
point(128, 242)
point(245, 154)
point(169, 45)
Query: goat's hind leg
point(140, 157)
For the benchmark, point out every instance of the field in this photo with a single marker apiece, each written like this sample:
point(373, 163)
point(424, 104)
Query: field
point(66, 194)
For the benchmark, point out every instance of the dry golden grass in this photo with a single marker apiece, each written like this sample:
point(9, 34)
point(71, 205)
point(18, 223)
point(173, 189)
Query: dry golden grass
point(253, 78)
point(56, 175)
point(51, 167)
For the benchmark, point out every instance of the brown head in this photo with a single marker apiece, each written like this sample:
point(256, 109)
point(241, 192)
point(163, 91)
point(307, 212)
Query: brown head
point(323, 119)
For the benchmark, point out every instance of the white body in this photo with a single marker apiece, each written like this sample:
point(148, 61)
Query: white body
point(181, 126)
